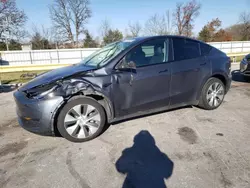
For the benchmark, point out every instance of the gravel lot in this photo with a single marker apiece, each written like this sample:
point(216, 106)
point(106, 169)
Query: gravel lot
point(187, 147)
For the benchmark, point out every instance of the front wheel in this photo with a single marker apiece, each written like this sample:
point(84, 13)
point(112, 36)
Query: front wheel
point(212, 94)
point(81, 119)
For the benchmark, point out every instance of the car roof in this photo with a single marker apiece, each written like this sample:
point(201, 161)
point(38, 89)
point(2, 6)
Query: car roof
point(138, 39)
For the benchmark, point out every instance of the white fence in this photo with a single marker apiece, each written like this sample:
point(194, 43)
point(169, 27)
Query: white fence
point(63, 56)
point(232, 47)
point(76, 55)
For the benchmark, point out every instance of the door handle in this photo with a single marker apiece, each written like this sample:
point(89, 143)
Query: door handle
point(203, 63)
point(166, 70)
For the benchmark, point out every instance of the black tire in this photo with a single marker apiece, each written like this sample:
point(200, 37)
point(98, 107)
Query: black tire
point(74, 102)
point(203, 102)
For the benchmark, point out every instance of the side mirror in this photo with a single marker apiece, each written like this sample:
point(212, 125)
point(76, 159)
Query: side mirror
point(124, 65)
point(131, 65)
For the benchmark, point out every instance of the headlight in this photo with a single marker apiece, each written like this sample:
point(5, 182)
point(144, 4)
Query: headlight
point(243, 65)
point(40, 92)
point(46, 92)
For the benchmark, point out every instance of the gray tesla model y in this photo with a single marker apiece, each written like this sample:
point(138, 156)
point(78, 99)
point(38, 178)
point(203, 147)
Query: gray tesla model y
point(124, 79)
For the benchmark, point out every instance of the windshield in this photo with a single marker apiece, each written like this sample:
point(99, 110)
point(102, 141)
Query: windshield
point(101, 57)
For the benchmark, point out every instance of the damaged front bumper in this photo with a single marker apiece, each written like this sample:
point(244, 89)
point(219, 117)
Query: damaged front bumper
point(37, 115)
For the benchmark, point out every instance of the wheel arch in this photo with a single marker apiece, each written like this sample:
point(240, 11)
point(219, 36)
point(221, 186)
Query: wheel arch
point(219, 76)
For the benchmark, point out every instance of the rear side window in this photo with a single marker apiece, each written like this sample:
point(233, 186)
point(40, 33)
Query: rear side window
point(205, 49)
point(185, 49)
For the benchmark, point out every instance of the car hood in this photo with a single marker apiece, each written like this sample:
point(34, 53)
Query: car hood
point(55, 75)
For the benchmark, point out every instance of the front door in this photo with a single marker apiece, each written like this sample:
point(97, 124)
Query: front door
point(147, 86)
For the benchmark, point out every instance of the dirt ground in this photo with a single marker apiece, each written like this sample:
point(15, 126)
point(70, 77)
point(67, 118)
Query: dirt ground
point(187, 147)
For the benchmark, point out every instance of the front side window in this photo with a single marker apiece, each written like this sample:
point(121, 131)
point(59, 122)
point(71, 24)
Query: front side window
point(185, 49)
point(149, 53)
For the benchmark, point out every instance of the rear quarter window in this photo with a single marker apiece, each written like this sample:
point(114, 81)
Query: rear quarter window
point(216, 52)
point(205, 49)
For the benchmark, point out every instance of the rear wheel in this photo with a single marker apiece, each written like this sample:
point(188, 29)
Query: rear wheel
point(81, 119)
point(212, 94)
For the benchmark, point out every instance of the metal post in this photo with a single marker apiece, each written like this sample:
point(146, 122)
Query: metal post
point(50, 57)
point(58, 58)
point(7, 43)
point(231, 47)
point(30, 57)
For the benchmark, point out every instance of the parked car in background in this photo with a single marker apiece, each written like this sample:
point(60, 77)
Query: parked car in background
point(123, 80)
point(245, 67)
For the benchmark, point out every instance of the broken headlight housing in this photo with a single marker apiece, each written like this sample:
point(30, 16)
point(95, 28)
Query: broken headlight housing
point(243, 65)
point(58, 88)
point(41, 91)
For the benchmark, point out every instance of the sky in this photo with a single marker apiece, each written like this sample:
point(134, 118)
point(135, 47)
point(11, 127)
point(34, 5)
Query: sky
point(121, 12)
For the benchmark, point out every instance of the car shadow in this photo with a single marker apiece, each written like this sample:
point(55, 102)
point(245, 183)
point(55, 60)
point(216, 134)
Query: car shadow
point(144, 164)
point(238, 77)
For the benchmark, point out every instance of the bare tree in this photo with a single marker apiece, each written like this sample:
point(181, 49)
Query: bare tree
point(12, 20)
point(104, 27)
point(43, 31)
point(245, 25)
point(68, 14)
point(158, 25)
point(81, 13)
point(134, 29)
point(185, 15)
point(57, 37)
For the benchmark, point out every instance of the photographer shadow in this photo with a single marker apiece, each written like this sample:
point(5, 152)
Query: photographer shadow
point(144, 164)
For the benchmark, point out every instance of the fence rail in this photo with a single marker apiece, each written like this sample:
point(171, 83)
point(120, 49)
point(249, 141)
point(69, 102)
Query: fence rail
point(62, 56)
point(232, 47)
point(71, 56)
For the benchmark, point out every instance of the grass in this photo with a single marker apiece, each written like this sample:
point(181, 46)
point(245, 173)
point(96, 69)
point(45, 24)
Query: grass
point(18, 77)
point(237, 58)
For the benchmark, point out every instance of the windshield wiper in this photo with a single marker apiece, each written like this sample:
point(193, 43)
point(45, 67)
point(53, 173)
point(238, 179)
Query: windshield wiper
point(107, 57)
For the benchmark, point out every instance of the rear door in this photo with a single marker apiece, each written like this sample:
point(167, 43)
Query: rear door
point(187, 68)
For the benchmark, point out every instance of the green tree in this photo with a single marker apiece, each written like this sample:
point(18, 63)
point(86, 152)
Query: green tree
point(112, 36)
point(38, 42)
point(212, 32)
point(89, 42)
point(204, 34)
point(14, 45)
point(3, 46)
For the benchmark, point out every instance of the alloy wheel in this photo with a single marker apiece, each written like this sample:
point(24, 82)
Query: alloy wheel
point(82, 121)
point(215, 94)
